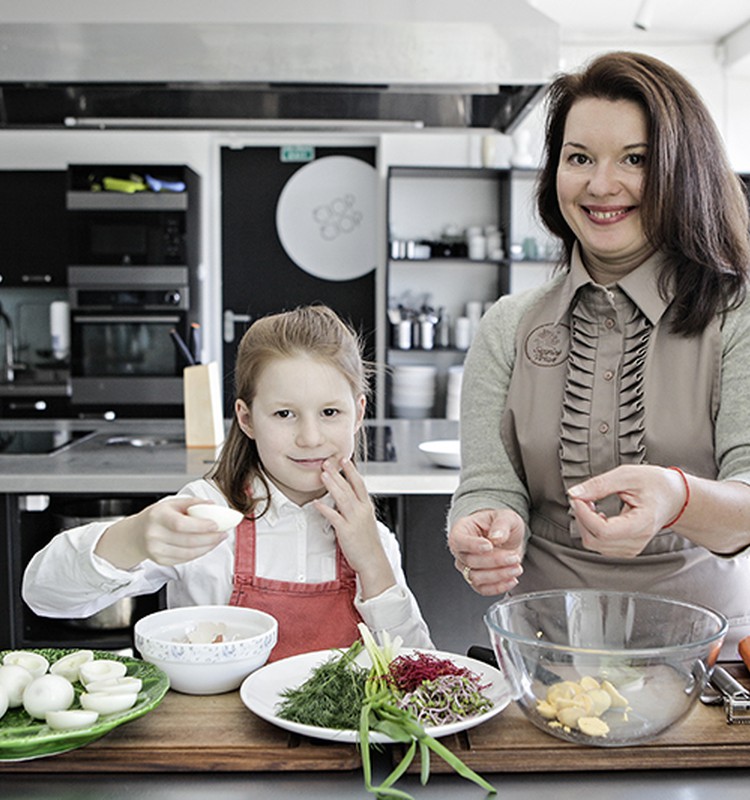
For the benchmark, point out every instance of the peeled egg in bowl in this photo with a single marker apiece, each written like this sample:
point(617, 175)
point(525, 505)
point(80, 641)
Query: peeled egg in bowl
point(47, 693)
point(225, 518)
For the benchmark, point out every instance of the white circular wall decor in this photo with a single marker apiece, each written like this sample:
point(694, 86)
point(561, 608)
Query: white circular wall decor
point(325, 218)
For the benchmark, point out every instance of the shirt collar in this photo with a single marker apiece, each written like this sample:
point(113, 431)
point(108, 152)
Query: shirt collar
point(279, 502)
point(641, 285)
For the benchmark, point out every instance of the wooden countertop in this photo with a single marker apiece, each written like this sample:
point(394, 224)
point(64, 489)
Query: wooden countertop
point(218, 734)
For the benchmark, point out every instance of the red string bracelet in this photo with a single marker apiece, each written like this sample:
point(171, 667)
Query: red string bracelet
point(687, 496)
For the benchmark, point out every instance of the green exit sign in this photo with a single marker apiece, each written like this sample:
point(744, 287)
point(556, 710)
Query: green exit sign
point(297, 152)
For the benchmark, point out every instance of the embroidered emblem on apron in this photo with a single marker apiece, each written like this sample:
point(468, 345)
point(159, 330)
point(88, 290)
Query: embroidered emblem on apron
point(547, 345)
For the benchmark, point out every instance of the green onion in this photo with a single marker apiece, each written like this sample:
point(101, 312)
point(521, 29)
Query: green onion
point(381, 712)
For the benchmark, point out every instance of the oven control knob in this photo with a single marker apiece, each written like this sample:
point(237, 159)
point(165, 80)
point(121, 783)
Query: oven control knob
point(172, 298)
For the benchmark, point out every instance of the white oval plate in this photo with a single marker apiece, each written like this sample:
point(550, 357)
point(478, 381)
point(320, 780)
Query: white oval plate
point(261, 693)
point(443, 452)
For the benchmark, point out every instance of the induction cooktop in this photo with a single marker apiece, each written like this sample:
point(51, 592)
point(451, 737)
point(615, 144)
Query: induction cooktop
point(30, 441)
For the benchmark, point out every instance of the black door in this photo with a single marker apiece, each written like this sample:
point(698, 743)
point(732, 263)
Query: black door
point(258, 276)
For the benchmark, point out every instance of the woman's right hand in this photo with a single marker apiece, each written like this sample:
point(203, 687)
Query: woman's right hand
point(488, 548)
point(163, 533)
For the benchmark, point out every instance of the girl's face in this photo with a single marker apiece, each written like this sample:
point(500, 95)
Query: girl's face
point(599, 184)
point(304, 413)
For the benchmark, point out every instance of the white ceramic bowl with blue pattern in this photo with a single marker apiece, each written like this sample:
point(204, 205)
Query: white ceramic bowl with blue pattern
point(206, 649)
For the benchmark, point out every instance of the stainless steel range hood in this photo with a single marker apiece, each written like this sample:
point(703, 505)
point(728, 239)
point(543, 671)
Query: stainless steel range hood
point(474, 63)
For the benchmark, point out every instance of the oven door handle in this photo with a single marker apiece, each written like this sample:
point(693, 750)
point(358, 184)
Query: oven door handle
point(110, 318)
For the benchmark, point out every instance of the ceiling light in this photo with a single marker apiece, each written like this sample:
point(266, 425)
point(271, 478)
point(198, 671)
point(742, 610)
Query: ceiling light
point(642, 19)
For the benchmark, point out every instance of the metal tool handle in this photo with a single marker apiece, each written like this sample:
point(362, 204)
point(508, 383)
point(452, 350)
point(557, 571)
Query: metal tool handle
point(728, 685)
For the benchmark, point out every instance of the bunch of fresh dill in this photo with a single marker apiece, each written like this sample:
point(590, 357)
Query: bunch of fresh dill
point(331, 697)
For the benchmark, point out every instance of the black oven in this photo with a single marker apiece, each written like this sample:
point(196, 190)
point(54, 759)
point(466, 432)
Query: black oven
point(122, 352)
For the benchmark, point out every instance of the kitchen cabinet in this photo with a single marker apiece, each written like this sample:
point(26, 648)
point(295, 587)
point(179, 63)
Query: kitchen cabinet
point(458, 238)
point(32, 228)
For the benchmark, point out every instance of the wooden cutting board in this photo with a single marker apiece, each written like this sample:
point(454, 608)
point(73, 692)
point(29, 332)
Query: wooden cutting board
point(510, 743)
point(197, 734)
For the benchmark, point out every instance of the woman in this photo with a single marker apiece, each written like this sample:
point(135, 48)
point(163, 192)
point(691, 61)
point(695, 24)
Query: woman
point(605, 419)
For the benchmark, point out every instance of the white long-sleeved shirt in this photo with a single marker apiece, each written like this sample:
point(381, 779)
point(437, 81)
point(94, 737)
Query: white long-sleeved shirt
point(67, 579)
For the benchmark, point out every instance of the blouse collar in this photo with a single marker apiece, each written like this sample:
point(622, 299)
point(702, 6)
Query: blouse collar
point(641, 285)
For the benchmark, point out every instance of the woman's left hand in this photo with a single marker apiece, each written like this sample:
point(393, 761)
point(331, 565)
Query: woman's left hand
point(651, 496)
point(353, 520)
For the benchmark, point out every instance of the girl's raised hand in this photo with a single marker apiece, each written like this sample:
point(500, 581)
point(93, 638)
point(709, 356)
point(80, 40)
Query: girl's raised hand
point(162, 532)
point(353, 520)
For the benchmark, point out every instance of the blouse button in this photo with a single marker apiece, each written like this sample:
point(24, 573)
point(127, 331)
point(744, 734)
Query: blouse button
point(608, 374)
point(609, 323)
point(603, 427)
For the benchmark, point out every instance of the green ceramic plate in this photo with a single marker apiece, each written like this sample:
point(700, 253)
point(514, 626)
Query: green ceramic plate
point(22, 737)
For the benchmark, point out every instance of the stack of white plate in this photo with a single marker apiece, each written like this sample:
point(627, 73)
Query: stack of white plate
point(453, 392)
point(413, 391)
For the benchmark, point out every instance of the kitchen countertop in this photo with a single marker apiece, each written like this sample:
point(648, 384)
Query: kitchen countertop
point(164, 464)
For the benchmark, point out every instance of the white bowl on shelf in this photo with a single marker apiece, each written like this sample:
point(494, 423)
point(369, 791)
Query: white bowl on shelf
point(443, 452)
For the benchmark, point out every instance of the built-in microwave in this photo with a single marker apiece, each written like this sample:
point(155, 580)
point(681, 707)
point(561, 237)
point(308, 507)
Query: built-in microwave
point(109, 238)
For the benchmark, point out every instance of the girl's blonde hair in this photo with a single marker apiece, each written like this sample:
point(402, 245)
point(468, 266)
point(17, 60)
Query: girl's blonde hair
point(314, 331)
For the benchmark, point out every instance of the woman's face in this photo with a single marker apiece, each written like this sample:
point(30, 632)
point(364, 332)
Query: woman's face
point(599, 184)
point(304, 412)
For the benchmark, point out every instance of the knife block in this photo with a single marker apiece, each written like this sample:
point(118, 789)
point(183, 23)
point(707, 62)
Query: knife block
point(204, 418)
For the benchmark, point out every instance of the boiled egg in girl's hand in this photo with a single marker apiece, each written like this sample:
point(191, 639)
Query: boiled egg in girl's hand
point(225, 518)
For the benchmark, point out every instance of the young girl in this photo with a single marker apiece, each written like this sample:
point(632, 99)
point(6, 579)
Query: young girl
point(309, 550)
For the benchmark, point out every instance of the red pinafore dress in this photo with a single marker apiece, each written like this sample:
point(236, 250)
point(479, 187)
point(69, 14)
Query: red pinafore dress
point(311, 616)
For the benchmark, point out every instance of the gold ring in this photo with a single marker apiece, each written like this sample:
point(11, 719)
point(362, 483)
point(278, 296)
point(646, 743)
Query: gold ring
point(466, 572)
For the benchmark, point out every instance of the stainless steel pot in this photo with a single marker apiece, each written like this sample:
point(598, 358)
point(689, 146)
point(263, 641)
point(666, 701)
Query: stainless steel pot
point(121, 613)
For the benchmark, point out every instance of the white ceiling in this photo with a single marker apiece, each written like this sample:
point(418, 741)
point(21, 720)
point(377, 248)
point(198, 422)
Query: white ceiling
point(672, 21)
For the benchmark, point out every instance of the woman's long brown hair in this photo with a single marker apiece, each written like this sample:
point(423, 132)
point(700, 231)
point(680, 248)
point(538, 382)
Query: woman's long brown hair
point(693, 206)
point(315, 331)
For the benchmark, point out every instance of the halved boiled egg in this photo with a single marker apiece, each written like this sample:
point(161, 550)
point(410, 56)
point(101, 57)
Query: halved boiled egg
point(101, 669)
point(14, 680)
point(35, 663)
point(71, 719)
point(47, 693)
point(225, 518)
point(68, 666)
point(105, 703)
point(126, 685)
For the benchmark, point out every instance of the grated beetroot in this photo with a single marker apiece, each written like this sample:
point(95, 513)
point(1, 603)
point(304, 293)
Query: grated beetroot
point(407, 673)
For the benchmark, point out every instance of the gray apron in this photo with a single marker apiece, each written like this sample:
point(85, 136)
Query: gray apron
point(597, 385)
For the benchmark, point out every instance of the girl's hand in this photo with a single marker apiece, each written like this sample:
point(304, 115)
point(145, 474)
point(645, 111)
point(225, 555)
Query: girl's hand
point(488, 548)
point(354, 523)
point(651, 497)
point(162, 533)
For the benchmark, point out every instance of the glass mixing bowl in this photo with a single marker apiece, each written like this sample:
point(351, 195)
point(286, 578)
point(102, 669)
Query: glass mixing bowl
point(604, 668)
